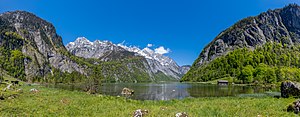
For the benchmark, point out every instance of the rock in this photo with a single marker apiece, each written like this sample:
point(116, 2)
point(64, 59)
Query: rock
point(34, 90)
point(127, 91)
point(289, 88)
point(183, 114)
point(295, 107)
point(140, 113)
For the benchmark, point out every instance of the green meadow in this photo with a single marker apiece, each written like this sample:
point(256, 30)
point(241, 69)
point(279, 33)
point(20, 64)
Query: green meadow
point(59, 102)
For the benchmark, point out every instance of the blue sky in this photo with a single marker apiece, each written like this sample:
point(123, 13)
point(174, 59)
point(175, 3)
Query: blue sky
point(183, 26)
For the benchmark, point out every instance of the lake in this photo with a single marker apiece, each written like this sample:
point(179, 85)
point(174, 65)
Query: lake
point(175, 90)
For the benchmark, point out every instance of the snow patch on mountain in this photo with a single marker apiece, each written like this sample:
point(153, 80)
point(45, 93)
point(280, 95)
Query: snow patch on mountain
point(150, 54)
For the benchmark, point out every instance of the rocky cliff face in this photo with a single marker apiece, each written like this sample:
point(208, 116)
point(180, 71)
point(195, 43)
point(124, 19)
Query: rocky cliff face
point(279, 25)
point(152, 63)
point(40, 43)
point(184, 69)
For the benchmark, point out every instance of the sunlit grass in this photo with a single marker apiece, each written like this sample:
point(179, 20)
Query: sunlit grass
point(58, 102)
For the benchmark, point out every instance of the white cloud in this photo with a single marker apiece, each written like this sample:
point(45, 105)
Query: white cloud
point(149, 45)
point(162, 50)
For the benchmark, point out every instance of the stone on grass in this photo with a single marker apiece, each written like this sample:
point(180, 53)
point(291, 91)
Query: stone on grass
point(183, 114)
point(33, 90)
point(140, 113)
point(127, 91)
point(294, 107)
point(289, 88)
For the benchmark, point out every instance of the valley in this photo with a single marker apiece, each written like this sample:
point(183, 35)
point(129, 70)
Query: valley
point(249, 69)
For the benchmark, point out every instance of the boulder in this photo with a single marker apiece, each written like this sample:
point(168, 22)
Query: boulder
point(127, 91)
point(140, 113)
point(183, 114)
point(34, 90)
point(295, 107)
point(289, 88)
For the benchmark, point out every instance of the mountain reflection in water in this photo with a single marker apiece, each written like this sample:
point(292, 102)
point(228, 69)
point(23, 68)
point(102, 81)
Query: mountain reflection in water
point(173, 90)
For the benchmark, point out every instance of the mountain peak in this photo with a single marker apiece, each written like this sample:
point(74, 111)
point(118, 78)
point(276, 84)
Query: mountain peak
point(19, 12)
point(292, 6)
point(83, 40)
point(23, 20)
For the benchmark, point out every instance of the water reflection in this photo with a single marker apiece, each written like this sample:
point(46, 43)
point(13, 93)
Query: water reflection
point(162, 91)
point(167, 91)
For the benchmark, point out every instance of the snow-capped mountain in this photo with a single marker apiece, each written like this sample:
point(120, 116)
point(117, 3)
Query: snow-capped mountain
point(150, 54)
point(107, 51)
point(156, 61)
point(104, 50)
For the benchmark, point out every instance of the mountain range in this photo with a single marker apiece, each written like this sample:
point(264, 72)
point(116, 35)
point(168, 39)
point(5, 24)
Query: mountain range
point(107, 51)
point(32, 51)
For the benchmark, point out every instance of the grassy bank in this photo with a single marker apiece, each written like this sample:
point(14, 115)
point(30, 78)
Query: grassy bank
point(57, 102)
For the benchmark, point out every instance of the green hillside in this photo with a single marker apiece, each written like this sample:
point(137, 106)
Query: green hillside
point(270, 63)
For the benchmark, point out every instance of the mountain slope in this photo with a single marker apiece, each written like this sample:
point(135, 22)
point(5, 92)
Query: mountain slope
point(274, 26)
point(139, 63)
point(31, 49)
point(280, 25)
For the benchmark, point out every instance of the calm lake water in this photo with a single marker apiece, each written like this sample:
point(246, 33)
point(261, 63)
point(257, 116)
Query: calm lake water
point(174, 90)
